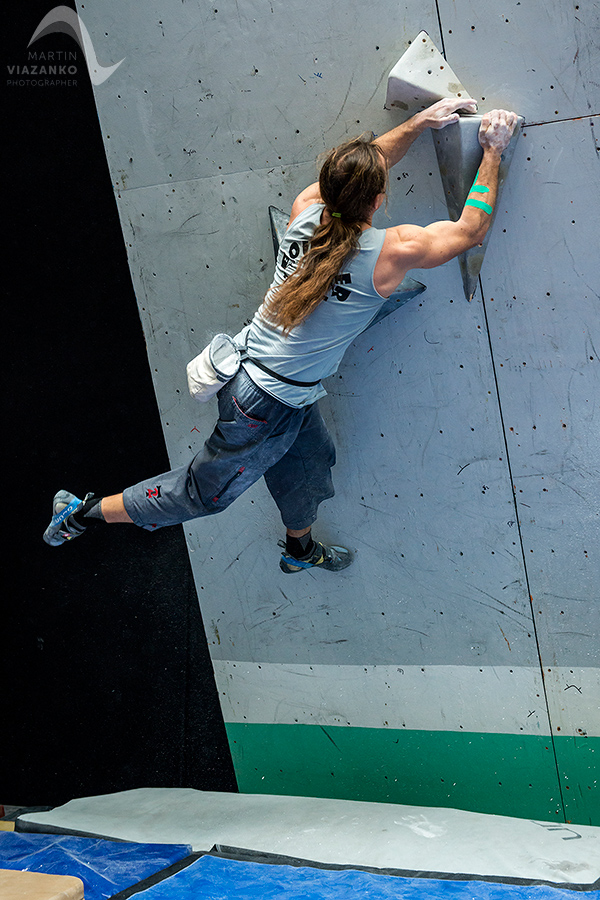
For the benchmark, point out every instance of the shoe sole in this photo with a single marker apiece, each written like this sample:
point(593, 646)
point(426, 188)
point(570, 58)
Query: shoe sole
point(53, 535)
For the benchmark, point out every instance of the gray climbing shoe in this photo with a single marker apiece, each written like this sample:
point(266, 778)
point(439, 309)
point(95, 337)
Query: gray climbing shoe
point(331, 558)
point(63, 526)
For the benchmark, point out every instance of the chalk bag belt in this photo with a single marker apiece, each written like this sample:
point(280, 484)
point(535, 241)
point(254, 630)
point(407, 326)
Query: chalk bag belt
point(284, 378)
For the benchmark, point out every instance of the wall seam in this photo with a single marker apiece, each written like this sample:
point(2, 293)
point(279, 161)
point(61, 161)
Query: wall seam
point(521, 544)
point(439, 18)
point(559, 121)
point(118, 190)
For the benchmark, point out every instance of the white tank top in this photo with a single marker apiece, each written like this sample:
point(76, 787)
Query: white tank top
point(314, 349)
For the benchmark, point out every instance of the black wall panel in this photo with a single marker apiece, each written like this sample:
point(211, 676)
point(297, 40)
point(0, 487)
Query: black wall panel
point(108, 684)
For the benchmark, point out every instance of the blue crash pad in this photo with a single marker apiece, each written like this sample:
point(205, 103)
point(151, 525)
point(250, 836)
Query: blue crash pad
point(105, 867)
point(222, 879)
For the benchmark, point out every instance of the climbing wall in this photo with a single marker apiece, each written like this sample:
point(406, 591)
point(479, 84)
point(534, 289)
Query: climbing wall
point(456, 662)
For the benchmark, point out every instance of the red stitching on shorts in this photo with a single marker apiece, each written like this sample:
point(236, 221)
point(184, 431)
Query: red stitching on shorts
point(252, 421)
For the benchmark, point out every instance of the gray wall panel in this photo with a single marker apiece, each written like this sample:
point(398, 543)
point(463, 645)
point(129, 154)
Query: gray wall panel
point(230, 86)
point(539, 58)
point(545, 332)
point(413, 413)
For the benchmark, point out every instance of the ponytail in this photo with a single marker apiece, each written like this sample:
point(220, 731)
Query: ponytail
point(351, 177)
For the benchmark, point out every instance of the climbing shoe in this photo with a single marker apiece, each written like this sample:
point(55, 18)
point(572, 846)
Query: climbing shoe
point(331, 558)
point(63, 526)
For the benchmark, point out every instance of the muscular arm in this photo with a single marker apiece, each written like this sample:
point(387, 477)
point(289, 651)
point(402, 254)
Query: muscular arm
point(411, 247)
point(442, 241)
point(395, 143)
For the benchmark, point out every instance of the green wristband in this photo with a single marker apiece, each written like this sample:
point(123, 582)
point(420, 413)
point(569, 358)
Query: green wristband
point(480, 205)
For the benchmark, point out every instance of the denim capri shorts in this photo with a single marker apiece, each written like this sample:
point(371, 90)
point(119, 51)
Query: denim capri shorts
point(255, 435)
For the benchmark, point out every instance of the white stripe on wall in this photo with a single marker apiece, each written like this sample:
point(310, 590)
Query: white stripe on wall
point(490, 699)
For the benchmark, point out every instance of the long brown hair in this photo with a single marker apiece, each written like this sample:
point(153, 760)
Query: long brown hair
point(351, 177)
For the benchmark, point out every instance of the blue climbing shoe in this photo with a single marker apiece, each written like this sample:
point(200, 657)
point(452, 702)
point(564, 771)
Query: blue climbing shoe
point(331, 558)
point(63, 526)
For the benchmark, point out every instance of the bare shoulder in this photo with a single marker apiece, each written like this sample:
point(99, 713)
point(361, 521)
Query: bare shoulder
point(396, 258)
point(399, 237)
point(399, 241)
point(306, 198)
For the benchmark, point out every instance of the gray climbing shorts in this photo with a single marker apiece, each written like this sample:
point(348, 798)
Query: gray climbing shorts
point(256, 435)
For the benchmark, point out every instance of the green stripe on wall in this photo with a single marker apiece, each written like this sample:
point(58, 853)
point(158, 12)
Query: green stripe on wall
point(502, 774)
point(578, 759)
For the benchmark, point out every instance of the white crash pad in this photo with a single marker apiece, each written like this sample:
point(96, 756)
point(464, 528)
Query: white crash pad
point(343, 832)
